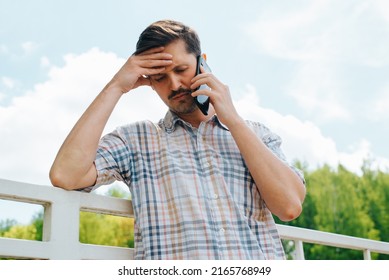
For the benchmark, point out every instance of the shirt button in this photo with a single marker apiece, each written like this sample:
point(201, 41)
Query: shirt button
point(207, 164)
point(215, 196)
point(222, 230)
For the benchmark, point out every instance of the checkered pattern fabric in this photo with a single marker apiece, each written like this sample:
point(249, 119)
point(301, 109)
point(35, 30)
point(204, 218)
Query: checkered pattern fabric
point(192, 193)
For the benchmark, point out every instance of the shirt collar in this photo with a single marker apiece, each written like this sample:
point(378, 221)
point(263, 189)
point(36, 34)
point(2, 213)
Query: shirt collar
point(171, 119)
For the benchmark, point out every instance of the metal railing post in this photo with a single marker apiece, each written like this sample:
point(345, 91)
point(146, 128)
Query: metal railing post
point(61, 227)
point(366, 254)
point(299, 250)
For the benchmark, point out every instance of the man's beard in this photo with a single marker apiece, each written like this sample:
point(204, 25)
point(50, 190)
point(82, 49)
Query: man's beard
point(186, 105)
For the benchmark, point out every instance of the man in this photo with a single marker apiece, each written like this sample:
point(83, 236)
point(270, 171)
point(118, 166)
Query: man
point(203, 186)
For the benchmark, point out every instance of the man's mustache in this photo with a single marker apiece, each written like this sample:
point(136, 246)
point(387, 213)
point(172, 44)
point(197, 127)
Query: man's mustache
point(174, 93)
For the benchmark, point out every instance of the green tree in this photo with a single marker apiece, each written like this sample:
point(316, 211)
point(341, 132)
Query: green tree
point(340, 201)
point(33, 231)
point(107, 229)
point(37, 222)
point(21, 232)
point(6, 225)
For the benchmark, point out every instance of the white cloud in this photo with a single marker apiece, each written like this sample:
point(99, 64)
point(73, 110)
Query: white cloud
point(45, 62)
point(34, 125)
point(303, 140)
point(289, 33)
point(3, 49)
point(380, 106)
point(318, 90)
point(300, 139)
point(382, 7)
point(322, 38)
point(8, 82)
point(353, 159)
point(28, 47)
point(325, 30)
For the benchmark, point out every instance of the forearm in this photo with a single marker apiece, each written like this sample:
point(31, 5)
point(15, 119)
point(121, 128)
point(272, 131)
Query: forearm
point(73, 167)
point(282, 190)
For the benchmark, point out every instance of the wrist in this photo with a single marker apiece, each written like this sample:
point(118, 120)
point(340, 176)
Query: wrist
point(111, 92)
point(114, 88)
point(235, 123)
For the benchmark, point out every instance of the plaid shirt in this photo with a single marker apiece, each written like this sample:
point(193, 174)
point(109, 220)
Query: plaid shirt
point(192, 193)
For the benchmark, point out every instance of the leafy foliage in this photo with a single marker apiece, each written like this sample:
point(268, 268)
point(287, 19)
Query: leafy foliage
point(106, 230)
point(342, 202)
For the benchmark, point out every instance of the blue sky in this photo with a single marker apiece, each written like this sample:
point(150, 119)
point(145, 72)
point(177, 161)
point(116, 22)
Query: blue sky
point(316, 72)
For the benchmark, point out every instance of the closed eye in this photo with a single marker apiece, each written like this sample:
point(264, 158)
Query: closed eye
point(158, 78)
point(180, 70)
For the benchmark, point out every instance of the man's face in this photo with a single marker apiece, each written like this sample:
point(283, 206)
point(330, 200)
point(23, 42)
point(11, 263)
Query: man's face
point(173, 84)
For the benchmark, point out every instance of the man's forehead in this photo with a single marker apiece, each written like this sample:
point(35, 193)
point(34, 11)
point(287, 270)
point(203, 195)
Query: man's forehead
point(175, 45)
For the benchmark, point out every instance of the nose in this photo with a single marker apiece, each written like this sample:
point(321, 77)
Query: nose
point(175, 82)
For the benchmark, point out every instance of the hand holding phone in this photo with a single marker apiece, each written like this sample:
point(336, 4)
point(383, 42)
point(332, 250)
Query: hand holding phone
point(202, 101)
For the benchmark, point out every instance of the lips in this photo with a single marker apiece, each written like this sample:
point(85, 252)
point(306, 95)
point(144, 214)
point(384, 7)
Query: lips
point(179, 94)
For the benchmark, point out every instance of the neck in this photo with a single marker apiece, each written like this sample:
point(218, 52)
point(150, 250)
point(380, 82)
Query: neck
point(196, 117)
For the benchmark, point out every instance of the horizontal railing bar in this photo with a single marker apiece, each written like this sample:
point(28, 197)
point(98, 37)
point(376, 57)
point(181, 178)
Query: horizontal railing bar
point(44, 195)
point(24, 249)
point(332, 239)
point(24, 192)
point(100, 252)
point(31, 249)
point(98, 204)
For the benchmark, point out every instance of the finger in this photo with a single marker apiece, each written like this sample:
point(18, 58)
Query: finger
point(157, 56)
point(152, 50)
point(202, 76)
point(206, 92)
point(153, 71)
point(202, 69)
point(151, 63)
point(203, 80)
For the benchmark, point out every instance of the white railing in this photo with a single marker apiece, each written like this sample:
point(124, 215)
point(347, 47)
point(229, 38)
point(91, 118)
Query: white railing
point(61, 227)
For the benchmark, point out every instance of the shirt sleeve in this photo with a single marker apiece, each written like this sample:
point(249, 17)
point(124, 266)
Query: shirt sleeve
point(112, 160)
point(273, 142)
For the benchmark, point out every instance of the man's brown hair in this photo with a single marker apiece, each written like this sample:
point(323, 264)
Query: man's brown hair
point(164, 32)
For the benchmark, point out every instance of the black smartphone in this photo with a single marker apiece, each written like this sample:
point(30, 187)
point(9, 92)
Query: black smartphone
point(202, 101)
